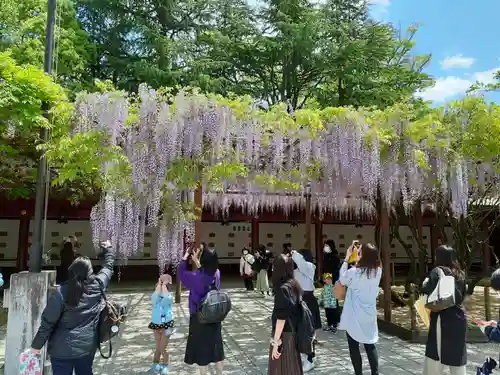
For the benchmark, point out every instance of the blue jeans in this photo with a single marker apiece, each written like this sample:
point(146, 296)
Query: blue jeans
point(81, 366)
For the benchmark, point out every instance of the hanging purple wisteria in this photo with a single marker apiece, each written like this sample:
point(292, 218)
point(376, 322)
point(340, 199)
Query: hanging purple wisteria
point(172, 144)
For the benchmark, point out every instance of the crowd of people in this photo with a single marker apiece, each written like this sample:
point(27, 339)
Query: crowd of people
point(349, 290)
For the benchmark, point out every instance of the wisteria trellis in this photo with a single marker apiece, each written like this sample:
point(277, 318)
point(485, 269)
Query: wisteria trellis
point(198, 128)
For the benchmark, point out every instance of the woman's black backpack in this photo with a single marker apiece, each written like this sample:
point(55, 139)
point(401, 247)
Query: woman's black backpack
point(112, 316)
point(214, 307)
point(304, 331)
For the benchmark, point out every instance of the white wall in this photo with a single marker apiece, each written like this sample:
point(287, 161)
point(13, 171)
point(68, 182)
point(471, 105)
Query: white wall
point(274, 235)
point(343, 235)
point(9, 236)
point(228, 239)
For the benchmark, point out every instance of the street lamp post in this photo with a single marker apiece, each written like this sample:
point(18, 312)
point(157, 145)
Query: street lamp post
point(35, 260)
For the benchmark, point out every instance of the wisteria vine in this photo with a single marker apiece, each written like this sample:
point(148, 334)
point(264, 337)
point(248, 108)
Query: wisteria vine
point(341, 168)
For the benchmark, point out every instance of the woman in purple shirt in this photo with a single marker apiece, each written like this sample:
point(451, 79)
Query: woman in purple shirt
point(204, 343)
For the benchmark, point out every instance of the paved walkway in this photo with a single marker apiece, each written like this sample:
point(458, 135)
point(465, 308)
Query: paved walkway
point(246, 334)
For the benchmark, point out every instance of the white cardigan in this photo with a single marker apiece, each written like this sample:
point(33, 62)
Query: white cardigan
point(246, 262)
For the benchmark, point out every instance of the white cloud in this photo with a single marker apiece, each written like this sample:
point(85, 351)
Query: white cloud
point(384, 3)
point(457, 61)
point(451, 86)
point(487, 76)
point(379, 8)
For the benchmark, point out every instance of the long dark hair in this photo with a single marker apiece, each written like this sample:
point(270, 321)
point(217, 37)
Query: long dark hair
point(283, 274)
point(80, 272)
point(67, 253)
point(209, 261)
point(369, 261)
point(332, 246)
point(446, 258)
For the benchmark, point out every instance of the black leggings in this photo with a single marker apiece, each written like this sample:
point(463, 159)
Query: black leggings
point(248, 282)
point(371, 352)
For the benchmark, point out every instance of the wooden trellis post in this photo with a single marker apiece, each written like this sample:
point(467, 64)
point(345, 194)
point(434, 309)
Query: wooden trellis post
point(198, 203)
point(307, 242)
point(385, 250)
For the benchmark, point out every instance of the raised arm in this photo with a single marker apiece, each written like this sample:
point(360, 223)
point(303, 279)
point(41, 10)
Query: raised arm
point(50, 317)
point(108, 257)
point(186, 277)
point(346, 275)
point(300, 262)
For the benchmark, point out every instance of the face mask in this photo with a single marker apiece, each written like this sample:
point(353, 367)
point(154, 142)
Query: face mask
point(327, 249)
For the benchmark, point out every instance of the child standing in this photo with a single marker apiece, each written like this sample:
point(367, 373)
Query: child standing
point(329, 302)
point(162, 324)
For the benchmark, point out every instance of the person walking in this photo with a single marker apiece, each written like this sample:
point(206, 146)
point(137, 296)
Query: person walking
point(359, 314)
point(204, 344)
point(304, 274)
point(69, 323)
point(448, 328)
point(284, 356)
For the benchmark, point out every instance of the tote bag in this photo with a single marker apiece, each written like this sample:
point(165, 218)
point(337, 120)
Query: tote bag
point(339, 291)
point(29, 363)
point(443, 296)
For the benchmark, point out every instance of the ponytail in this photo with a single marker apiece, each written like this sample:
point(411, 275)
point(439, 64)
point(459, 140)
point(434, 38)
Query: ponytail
point(80, 272)
point(74, 292)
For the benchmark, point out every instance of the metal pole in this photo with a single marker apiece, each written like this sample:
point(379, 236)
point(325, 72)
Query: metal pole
point(35, 261)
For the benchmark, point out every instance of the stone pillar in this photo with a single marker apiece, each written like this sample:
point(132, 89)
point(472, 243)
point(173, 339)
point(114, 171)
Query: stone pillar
point(25, 300)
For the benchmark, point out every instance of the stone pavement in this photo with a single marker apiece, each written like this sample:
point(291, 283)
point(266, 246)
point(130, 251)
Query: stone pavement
point(246, 334)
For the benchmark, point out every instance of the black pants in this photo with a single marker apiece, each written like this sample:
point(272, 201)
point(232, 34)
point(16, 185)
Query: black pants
point(371, 352)
point(81, 366)
point(332, 317)
point(248, 282)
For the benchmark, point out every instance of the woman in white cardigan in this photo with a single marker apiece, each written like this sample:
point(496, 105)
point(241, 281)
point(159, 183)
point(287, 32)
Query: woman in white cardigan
point(246, 271)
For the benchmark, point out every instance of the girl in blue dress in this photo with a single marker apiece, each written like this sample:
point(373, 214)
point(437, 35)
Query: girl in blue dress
point(162, 324)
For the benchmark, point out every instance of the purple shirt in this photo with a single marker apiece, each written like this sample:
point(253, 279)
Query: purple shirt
point(198, 284)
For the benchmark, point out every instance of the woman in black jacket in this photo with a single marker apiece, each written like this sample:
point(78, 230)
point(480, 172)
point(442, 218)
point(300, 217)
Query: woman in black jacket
point(331, 260)
point(70, 319)
point(448, 328)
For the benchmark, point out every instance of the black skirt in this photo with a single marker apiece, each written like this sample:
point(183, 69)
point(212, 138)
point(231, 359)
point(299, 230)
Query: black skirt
point(167, 325)
point(312, 303)
point(204, 343)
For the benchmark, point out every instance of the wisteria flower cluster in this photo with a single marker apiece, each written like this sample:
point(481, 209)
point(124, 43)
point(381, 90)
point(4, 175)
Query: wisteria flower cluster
point(174, 144)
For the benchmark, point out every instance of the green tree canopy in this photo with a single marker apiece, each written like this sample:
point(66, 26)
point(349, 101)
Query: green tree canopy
point(24, 90)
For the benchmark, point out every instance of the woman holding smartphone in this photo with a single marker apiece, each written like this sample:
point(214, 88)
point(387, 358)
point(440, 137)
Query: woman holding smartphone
point(359, 314)
point(284, 356)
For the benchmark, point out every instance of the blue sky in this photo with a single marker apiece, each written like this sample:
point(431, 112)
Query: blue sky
point(462, 36)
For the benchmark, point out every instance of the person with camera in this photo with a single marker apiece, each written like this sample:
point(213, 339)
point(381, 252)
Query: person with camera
point(204, 344)
point(359, 314)
point(70, 320)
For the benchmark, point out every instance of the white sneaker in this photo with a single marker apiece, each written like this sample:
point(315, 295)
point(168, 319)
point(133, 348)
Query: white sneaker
point(308, 366)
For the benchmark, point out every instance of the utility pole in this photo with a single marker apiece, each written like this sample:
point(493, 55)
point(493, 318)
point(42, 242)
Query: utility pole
point(35, 261)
